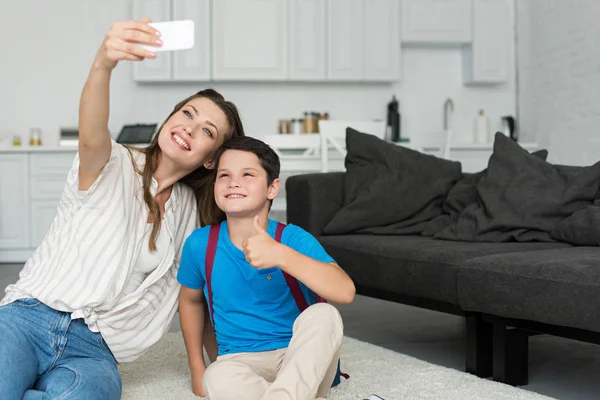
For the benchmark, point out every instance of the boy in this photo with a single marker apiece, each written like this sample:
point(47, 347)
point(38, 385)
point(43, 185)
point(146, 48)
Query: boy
point(267, 348)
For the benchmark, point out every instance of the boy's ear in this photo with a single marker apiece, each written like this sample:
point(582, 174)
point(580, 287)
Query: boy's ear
point(273, 189)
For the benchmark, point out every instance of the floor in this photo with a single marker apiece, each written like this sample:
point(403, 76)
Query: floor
point(559, 368)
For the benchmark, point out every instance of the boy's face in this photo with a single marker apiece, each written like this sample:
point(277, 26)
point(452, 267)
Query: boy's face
point(241, 185)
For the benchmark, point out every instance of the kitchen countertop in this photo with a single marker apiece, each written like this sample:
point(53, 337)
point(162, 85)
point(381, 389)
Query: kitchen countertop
point(37, 149)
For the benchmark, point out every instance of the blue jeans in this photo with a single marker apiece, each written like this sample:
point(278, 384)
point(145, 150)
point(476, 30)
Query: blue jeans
point(46, 355)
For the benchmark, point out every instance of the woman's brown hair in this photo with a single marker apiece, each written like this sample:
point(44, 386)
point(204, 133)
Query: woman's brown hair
point(201, 179)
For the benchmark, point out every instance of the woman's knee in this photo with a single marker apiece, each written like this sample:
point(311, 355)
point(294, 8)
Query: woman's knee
point(83, 379)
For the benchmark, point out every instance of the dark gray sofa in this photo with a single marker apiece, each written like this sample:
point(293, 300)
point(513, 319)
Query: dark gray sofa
point(507, 290)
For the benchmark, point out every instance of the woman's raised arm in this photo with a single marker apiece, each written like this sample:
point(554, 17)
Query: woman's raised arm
point(121, 43)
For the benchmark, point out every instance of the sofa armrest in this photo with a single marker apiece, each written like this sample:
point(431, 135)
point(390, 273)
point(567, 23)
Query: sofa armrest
point(313, 199)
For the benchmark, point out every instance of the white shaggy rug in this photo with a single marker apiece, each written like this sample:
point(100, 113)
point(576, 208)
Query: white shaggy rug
point(162, 373)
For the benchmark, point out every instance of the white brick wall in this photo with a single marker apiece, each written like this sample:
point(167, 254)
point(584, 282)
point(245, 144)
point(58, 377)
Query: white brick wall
point(558, 50)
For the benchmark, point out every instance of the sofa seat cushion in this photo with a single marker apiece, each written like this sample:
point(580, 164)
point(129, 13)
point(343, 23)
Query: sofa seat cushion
point(559, 287)
point(412, 265)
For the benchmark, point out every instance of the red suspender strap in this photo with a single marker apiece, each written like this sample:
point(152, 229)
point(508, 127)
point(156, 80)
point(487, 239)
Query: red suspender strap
point(291, 281)
point(213, 239)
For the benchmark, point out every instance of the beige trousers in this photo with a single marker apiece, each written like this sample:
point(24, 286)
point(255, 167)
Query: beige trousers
point(303, 371)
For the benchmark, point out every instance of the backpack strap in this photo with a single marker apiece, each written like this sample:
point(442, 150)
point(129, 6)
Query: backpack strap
point(213, 239)
point(299, 296)
point(293, 282)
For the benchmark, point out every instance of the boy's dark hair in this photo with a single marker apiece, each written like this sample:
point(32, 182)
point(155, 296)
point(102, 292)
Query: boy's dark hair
point(269, 160)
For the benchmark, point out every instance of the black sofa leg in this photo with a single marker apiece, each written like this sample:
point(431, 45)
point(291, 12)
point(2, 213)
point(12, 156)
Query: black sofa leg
point(511, 355)
point(479, 346)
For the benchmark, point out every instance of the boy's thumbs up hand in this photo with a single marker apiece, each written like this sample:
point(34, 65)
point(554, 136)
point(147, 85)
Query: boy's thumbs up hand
point(261, 250)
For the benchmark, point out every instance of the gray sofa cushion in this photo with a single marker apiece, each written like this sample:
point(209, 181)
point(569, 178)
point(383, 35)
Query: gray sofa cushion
point(412, 265)
point(390, 189)
point(522, 197)
point(580, 228)
point(461, 196)
point(559, 287)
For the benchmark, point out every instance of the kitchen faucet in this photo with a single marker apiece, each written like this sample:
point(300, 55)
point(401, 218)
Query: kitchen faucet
point(448, 107)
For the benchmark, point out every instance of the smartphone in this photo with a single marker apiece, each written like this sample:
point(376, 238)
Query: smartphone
point(374, 397)
point(175, 35)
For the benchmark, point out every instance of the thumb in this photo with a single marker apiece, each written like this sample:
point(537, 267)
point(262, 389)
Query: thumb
point(257, 226)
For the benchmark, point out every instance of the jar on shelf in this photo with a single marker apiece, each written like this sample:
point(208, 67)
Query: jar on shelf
point(35, 137)
point(285, 126)
point(296, 126)
point(16, 141)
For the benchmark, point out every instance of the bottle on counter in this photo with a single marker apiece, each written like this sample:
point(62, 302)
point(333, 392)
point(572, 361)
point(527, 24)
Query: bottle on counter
point(392, 133)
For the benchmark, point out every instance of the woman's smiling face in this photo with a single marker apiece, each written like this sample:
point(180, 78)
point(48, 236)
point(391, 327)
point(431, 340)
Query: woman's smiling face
point(191, 136)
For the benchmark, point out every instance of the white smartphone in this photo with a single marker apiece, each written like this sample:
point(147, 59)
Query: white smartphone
point(175, 35)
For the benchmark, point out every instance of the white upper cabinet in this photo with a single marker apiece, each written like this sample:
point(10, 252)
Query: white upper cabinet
point(250, 39)
point(345, 40)
point(487, 59)
point(359, 40)
point(327, 40)
point(193, 64)
point(278, 40)
point(307, 40)
point(382, 40)
point(158, 69)
point(436, 21)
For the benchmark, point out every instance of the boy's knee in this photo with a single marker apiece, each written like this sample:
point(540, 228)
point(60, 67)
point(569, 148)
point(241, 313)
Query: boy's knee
point(217, 383)
point(327, 316)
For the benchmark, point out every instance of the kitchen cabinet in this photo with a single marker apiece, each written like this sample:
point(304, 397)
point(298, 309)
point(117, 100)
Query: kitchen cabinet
point(487, 58)
point(307, 40)
point(182, 65)
point(158, 69)
point(382, 40)
point(345, 40)
point(278, 40)
point(14, 193)
point(436, 21)
point(363, 40)
point(47, 176)
point(31, 185)
point(250, 40)
point(193, 64)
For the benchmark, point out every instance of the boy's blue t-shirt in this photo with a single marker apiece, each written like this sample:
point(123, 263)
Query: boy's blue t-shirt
point(254, 309)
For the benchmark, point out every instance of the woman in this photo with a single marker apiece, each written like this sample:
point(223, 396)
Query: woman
point(101, 288)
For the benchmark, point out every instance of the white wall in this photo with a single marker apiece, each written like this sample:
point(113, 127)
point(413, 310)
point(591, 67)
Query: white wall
point(44, 66)
point(559, 76)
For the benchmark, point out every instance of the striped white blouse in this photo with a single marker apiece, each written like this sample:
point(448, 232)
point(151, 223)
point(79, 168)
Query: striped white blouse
point(88, 254)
